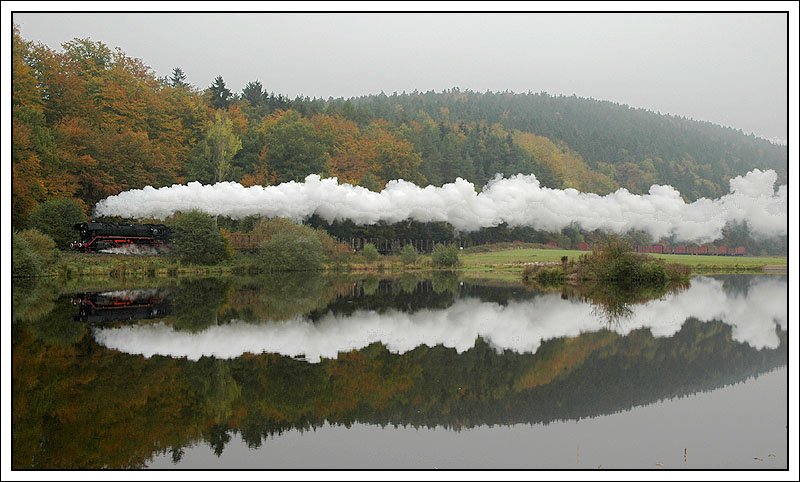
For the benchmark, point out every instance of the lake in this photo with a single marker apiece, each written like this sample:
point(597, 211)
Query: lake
point(309, 371)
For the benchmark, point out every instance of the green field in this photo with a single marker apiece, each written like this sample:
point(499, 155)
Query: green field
point(514, 259)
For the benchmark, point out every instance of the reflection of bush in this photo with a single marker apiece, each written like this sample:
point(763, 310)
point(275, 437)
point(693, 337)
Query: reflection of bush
point(612, 302)
point(32, 299)
point(445, 282)
point(370, 285)
point(49, 319)
point(281, 296)
point(197, 302)
point(408, 282)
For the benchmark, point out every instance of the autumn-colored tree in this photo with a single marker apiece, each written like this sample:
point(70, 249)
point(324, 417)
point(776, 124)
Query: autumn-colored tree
point(392, 156)
point(212, 159)
point(291, 149)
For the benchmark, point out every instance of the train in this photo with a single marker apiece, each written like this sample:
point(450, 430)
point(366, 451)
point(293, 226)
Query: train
point(704, 249)
point(102, 236)
point(121, 306)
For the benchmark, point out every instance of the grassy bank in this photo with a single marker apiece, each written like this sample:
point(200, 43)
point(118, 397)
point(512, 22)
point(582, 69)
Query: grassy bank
point(514, 260)
point(505, 264)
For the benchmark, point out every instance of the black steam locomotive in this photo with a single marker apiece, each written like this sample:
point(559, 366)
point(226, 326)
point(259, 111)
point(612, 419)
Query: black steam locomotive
point(101, 236)
point(127, 305)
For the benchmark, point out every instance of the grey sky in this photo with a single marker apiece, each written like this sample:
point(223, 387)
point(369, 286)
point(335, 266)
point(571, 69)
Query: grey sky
point(729, 69)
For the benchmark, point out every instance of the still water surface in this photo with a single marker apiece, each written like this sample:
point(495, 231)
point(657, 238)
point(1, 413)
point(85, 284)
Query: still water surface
point(317, 372)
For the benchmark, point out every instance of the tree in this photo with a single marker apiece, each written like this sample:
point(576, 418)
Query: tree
point(178, 79)
point(220, 95)
point(197, 239)
point(25, 262)
point(42, 244)
point(409, 254)
point(253, 93)
point(213, 155)
point(56, 219)
point(445, 256)
point(370, 253)
point(291, 251)
point(292, 149)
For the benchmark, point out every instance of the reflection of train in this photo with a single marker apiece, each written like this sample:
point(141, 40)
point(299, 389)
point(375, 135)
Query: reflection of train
point(705, 249)
point(123, 305)
point(99, 236)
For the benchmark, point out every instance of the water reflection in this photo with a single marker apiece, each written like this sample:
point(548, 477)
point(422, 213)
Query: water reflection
point(123, 305)
point(410, 352)
point(519, 326)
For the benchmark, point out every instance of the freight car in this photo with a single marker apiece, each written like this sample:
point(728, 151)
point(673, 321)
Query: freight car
point(99, 236)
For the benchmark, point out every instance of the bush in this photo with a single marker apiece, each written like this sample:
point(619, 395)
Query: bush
point(549, 276)
point(197, 239)
point(370, 253)
point(678, 272)
point(291, 251)
point(409, 254)
point(331, 249)
point(24, 261)
point(445, 256)
point(56, 218)
point(42, 244)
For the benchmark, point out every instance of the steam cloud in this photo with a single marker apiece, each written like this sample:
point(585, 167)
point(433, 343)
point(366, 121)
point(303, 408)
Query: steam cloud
point(518, 326)
point(518, 201)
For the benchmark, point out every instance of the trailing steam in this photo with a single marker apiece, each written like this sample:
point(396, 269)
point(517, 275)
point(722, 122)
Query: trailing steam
point(518, 201)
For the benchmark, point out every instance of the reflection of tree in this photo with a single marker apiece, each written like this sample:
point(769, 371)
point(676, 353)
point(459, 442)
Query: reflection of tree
point(612, 302)
point(281, 296)
point(218, 390)
point(197, 303)
point(50, 319)
point(445, 282)
point(80, 405)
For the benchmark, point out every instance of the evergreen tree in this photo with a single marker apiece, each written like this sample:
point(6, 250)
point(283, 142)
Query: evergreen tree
point(220, 95)
point(178, 78)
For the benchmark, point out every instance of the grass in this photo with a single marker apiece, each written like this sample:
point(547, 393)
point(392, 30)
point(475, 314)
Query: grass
point(503, 264)
point(514, 260)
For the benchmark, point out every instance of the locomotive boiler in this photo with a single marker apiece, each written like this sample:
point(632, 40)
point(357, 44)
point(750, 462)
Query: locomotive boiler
point(101, 236)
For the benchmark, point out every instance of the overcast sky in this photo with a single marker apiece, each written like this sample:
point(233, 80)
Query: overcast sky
point(721, 67)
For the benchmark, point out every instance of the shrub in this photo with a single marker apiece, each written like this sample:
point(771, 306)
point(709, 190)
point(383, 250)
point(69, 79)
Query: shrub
point(42, 244)
point(331, 249)
point(56, 218)
point(549, 276)
point(409, 254)
point(678, 272)
point(197, 239)
point(445, 256)
point(370, 253)
point(291, 251)
point(24, 261)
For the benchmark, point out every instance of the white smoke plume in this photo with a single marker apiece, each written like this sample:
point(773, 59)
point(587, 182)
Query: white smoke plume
point(521, 326)
point(136, 250)
point(518, 201)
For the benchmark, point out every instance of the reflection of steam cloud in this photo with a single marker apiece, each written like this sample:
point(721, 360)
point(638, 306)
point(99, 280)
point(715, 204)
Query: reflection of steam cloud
point(519, 326)
point(517, 201)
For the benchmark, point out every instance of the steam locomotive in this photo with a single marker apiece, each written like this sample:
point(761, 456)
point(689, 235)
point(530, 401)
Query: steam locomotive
point(127, 305)
point(99, 236)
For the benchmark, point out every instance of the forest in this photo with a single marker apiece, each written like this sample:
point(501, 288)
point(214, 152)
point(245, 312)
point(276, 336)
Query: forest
point(89, 121)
